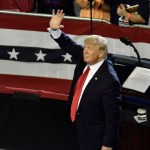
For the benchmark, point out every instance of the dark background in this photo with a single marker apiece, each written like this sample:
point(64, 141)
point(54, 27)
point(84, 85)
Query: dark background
point(36, 124)
point(31, 123)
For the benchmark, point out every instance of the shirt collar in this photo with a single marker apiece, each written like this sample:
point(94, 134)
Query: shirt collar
point(96, 66)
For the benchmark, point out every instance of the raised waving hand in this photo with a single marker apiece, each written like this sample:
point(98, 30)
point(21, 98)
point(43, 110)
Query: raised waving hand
point(55, 22)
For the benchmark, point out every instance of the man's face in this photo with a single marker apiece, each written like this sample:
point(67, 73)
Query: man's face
point(92, 54)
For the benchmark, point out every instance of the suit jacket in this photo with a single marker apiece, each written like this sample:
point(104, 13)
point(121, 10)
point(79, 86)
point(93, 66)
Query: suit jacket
point(98, 114)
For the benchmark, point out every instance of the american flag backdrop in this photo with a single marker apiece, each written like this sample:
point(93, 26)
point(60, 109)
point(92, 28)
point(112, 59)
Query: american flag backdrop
point(30, 61)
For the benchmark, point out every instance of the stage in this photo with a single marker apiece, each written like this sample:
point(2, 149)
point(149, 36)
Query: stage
point(31, 123)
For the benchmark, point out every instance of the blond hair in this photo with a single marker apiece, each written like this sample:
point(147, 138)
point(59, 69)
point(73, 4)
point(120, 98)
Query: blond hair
point(97, 40)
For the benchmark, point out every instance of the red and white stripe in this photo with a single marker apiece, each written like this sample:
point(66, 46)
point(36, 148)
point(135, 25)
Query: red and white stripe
point(54, 80)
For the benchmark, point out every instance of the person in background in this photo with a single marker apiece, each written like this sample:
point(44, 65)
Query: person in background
point(46, 6)
point(97, 12)
point(120, 15)
point(18, 5)
point(149, 13)
point(93, 103)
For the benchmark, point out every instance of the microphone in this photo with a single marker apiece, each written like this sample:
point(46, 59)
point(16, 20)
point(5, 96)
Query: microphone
point(127, 42)
point(91, 22)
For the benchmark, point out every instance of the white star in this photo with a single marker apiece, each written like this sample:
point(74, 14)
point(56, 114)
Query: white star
point(13, 54)
point(40, 56)
point(67, 57)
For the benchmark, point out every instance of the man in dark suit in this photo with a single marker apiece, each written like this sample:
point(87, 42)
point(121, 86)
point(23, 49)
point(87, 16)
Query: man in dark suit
point(98, 113)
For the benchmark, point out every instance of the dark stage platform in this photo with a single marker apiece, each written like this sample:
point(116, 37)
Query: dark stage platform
point(31, 123)
point(34, 124)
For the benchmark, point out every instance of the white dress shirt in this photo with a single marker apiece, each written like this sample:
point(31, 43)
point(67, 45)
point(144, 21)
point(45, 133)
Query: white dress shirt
point(55, 33)
point(93, 69)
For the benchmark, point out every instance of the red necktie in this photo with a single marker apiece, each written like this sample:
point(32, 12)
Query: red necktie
point(77, 93)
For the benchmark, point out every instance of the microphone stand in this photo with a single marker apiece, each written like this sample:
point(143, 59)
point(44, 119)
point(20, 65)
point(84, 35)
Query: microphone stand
point(91, 25)
point(126, 41)
point(137, 53)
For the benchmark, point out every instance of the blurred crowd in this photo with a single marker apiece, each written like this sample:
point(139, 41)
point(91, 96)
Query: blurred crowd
point(120, 12)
